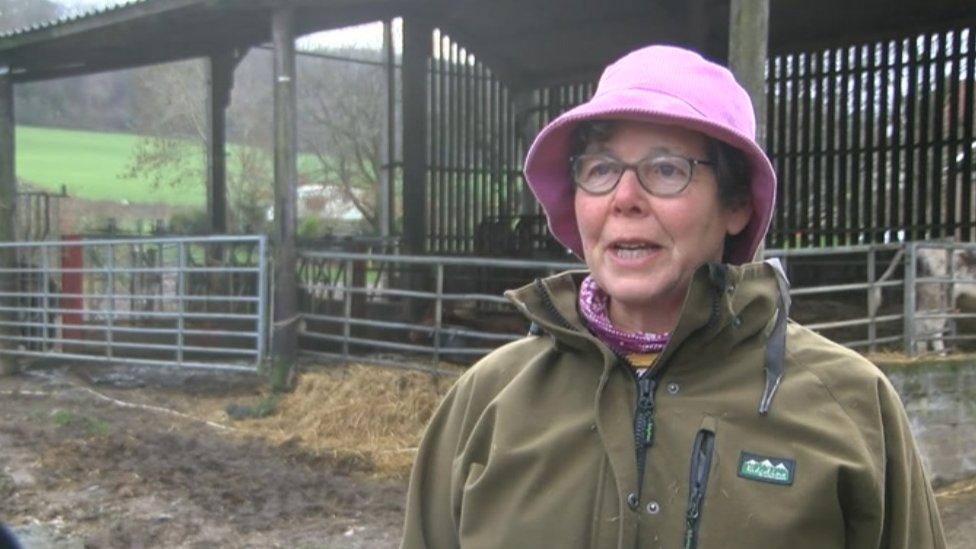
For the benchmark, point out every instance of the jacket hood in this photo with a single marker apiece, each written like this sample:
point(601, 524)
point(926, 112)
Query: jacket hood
point(724, 306)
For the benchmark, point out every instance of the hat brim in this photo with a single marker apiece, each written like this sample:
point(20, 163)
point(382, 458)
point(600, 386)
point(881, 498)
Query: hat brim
point(547, 162)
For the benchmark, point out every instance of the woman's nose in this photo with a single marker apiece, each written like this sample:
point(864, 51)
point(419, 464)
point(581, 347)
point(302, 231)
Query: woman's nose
point(630, 197)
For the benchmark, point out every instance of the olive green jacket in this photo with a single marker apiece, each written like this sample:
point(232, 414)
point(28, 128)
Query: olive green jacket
point(540, 444)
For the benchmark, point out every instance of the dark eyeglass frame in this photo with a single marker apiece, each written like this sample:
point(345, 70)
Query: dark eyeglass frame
point(692, 162)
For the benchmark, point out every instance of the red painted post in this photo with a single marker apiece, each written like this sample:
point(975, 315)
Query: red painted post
point(73, 285)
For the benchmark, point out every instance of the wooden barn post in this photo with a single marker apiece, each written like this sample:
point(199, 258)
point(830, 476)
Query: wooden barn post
point(8, 198)
point(284, 336)
point(526, 104)
point(417, 44)
point(220, 77)
point(385, 197)
point(748, 49)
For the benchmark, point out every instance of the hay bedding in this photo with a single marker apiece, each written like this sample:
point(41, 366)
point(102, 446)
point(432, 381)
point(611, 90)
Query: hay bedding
point(362, 419)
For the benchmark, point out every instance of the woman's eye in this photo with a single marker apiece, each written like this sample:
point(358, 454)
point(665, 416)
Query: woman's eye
point(601, 169)
point(668, 169)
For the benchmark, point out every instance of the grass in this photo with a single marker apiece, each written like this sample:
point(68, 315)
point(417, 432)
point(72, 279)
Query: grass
point(90, 165)
point(90, 426)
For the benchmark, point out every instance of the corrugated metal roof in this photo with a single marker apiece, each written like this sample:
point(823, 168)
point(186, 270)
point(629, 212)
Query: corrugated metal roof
point(72, 16)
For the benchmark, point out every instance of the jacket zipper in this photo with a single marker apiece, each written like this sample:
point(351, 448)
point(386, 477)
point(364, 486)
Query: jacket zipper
point(643, 424)
point(644, 414)
point(701, 466)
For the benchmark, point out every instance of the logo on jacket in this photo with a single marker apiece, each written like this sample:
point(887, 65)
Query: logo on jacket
point(767, 469)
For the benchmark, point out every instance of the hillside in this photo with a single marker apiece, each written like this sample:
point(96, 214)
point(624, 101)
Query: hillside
point(91, 165)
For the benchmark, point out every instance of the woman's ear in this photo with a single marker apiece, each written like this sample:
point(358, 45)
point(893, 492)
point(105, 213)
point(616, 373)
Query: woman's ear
point(737, 218)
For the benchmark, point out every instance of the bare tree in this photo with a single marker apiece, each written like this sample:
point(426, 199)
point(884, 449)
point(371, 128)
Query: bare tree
point(343, 114)
point(171, 119)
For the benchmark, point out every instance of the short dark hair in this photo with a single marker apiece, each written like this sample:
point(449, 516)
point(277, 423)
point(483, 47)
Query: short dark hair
point(731, 166)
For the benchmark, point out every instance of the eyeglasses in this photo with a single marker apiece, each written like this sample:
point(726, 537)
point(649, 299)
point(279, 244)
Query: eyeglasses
point(663, 175)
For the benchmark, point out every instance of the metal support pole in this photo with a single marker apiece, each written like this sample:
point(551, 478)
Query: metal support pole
point(180, 301)
point(388, 148)
point(8, 204)
point(346, 309)
point(909, 316)
point(872, 303)
point(438, 316)
point(46, 303)
point(284, 341)
point(261, 307)
point(952, 329)
point(110, 298)
point(748, 47)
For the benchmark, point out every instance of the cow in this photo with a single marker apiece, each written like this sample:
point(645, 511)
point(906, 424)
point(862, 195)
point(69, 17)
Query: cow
point(935, 298)
point(938, 298)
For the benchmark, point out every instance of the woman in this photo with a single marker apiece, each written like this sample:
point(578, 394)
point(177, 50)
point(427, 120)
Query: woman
point(662, 399)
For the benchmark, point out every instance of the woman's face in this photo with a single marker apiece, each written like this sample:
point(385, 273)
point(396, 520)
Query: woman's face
point(643, 249)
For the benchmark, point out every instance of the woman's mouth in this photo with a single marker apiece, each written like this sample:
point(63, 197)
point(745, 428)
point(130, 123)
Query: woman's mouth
point(631, 250)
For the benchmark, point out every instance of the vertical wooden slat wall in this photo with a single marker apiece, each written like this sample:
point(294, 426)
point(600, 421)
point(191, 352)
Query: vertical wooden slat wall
point(871, 143)
point(475, 150)
point(874, 142)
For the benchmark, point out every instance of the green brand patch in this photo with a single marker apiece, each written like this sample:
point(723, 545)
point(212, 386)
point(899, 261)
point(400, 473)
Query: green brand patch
point(767, 469)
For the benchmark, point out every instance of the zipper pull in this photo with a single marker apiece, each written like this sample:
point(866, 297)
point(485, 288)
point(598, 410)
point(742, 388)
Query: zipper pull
point(646, 408)
point(691, 518)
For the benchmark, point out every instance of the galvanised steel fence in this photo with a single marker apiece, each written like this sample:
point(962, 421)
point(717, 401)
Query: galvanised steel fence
point(408, 311)
point(851, 294)
point(196, 302)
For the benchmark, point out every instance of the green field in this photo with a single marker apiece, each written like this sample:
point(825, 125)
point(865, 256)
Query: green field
point(91, 165)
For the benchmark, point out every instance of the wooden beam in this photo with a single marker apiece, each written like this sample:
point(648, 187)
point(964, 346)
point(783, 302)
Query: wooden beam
point(525, 103)
point(748, 47)
point(220, 81)
point(110, 61)
point(417, 40)
point(8, 199)
point(284, 338)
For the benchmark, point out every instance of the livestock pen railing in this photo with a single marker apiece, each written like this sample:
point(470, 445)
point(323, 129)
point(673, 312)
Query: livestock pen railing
point(408, 310)
point(838, 292)
point(189, 302)
point(398, 309)
point(940, 278)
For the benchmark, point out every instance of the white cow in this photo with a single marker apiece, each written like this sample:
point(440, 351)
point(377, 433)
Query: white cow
point(935, 298)
point(939, 298)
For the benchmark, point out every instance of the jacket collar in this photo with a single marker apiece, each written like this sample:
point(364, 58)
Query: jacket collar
point(724, 306)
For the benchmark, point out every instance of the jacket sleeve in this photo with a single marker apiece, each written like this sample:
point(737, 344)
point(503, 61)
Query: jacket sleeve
point(911, 517)
point(433, 495)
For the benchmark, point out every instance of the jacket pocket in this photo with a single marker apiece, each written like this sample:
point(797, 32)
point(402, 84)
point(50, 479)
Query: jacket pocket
point(702, 451)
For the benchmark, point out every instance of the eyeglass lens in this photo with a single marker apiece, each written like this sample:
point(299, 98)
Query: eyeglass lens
point(660, 175)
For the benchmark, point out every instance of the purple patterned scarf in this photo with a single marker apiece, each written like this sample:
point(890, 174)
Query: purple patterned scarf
point(640, 347)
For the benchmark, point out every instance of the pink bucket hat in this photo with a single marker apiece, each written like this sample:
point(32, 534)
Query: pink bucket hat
point(665, 85)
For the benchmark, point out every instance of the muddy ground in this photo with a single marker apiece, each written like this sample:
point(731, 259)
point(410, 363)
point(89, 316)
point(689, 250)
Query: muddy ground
point(79, 470)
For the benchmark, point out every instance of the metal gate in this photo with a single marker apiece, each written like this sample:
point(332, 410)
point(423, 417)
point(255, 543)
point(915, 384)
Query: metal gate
point(192, 302)
point(939, 277)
